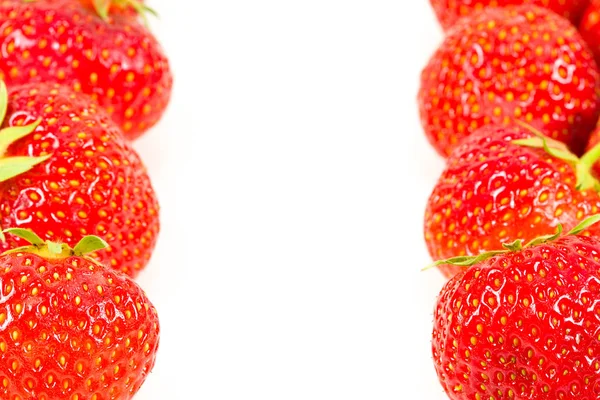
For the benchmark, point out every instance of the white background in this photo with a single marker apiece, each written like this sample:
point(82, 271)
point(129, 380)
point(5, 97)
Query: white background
point(293, 174)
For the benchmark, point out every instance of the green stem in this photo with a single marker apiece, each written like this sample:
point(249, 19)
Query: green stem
point(517, 245)
point(589, 159)
point(53, 250)
point(585, 177)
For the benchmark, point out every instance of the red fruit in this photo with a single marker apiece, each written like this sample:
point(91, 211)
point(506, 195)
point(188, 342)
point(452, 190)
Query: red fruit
point(495, 191)
point(93, 182)
point(116, 60)
point(71, 328)
point(517, 62)
point(590, 27)
point(449, 11)
point(522, 325)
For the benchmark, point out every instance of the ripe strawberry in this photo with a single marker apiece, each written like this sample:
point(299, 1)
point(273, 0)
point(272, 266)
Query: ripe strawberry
point(115, 60)
point(92, 183)
point(523, 324)
point(449, 11)
point(495, 190)
point(590, 27)
point(71, 328)
point(522, 62)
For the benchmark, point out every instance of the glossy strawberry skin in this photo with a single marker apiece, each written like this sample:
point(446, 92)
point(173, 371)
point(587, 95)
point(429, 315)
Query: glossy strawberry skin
point(94, 183)
point(503, 64)
point(70, 329)
point(523, 326)
point(118, 62)
point(493, 192)
point(449, 11)
point(590, 27)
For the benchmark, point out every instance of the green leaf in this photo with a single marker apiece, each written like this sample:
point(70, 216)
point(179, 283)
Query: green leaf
point(25, 234)
point(12, 134)
point(517, 245)
point(585, 177)
point(466, 261)
point(142, 9)
point(543, 143)
point(23, 249)
point(89, 244)
point(14, 166)
point(533, 141)
point(586, 223)
point(102, 7)
point(150, 10)
point(546, 238)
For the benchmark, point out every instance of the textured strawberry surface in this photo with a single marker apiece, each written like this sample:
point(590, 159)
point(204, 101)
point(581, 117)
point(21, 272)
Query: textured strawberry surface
point(494, 191)
point(94, 183)
point(449, 11)
point(523, 325)
point(510, 63)
point(590, 27)
point(70, 329)
point(118, 62)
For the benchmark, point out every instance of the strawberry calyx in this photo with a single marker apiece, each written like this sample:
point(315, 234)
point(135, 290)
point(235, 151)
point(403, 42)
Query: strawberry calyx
point(583, 166)
point(517, 245)
point(55, 251)
point(16, 165)
point(102, 7)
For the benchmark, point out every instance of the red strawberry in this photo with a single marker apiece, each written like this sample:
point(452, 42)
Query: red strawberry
point(71, 328)
point(590, 27)
point(449, 11)
point(522, 325)
point(93, 182)
point(495, 191)
point(518, 62)
point(116, 60)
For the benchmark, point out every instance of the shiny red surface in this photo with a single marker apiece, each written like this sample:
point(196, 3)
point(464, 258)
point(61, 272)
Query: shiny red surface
point(510, 63)
point(590, 27)
point(449, 11)
point(523, 326)
point(70, 329)
point(94, 183)
point(493, 192)
point(118, 62)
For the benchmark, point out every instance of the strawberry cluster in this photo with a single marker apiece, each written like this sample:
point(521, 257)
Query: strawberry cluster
point(511, 98)
point(79, 218)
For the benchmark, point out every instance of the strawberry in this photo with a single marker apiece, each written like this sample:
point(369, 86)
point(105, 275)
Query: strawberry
point(590, 27)
point(116, 60)
point(72, 173)
point(522, 62)
point(499, 185)
point(69, 327)
point(522, 324)
point(449, 11)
